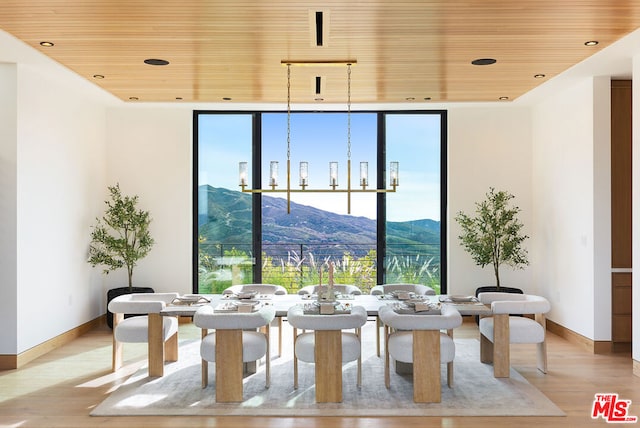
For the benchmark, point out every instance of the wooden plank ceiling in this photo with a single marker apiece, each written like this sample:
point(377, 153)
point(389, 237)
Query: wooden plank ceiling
point(406, 50)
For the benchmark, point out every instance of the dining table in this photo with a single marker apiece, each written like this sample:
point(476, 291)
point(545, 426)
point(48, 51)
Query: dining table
point(282, 303)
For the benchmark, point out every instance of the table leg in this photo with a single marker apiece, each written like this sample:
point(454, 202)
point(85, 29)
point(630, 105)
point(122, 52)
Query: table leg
point(156, 345)
point(501, 363)
point(426, 366)
point(328, 360)
point(228, 366)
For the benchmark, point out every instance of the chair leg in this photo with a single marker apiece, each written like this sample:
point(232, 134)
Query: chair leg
point(116, 349)
point(267, 368)
point(486, 350)
point(450, 374)
point(542, 356)
point(205, 363)
point(542, 347)
point(387, 376)
point(279, 336)
point(171, 348)
point(359, 381)
point(378, 336)
point(205, 373)
point(295, 360)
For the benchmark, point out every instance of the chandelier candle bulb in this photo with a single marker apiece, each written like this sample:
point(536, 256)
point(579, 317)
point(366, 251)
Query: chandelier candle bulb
point(333, 174)
point(273, 174)
point(393, 173)
point(304, 174)
point(243, 173)
point(364, 174)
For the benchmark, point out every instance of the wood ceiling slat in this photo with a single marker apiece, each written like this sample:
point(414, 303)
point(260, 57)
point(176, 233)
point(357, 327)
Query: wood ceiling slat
point(403, 48)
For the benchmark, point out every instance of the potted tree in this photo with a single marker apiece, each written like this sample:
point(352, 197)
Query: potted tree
point(119, 239)
point(494, 236)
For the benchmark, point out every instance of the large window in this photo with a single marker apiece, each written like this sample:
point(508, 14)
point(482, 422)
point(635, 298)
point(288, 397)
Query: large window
point(387, 237)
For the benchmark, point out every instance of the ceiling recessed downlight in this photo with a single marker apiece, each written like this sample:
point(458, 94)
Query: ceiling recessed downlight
point(154, 61)
point(503, 98)
point(591, 43)
point(539, 76)
point(483, 61)
point(98, 76)
point(46, 44)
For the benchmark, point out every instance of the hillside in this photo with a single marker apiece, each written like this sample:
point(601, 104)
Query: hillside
point(305, 225)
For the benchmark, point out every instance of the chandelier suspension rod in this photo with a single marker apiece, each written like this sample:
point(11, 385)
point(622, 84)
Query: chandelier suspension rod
point(333, 166)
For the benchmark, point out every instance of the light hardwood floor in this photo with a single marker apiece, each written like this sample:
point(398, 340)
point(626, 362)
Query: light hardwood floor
point(60, 389)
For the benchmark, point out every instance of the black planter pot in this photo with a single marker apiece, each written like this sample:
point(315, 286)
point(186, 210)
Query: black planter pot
point(115, 292)
point(493, 288)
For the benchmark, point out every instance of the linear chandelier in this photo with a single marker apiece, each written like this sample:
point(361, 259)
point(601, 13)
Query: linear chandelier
point(333, 166)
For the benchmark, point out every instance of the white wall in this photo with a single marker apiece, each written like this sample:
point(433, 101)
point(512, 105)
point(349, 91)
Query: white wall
point(8, 214)
point(489, 146)
point(572, 246)
point(150, 155)
point(58, 159)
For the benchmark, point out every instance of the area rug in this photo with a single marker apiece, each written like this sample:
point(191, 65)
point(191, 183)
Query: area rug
point(475, 392)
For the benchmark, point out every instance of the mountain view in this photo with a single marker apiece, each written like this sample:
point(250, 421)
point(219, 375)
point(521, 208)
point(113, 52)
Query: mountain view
point(321, 232)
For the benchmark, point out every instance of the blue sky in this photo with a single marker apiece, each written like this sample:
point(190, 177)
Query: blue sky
point(318, 138)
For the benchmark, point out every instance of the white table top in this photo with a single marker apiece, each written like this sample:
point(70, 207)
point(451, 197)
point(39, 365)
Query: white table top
point(282, 304)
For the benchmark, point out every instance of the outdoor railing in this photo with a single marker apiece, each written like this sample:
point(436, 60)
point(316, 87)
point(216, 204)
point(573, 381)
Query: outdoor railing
point(295, 265)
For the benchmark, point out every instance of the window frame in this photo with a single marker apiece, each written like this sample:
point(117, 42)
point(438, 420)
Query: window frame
point(256, 165)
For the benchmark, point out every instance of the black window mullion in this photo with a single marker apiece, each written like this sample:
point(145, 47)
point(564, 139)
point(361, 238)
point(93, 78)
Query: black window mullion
point(381, 216)
point(256, 199)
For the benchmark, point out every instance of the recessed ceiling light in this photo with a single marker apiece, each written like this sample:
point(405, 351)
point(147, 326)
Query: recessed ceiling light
point(410, 98)
point(98, 76)
point(503, 98)
point(153, 61)
point(319, 99)
point(226, 98)
point(178, 98)
point(46, 44)
point(134, 98)
point(539, 76)
point(591, 43)
point(427, 98)
point(483, 61)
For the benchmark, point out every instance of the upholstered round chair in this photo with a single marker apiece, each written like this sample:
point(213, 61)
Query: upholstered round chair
point(304, 343)
point(419, 289)
point(257, 288)
point(135, 329)
point(520, 329)
point(340, 288)
point(417, 339)
point(236, 340)
point(384, 289)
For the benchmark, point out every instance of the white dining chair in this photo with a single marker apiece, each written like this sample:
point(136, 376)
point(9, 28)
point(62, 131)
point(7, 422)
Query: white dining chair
point(135, 329)
point(503, 328)
point(340, 288)
point(278, 290)
point(419, 289)
point(417, 339)
point(235, 341)
point(268, 289)
point(384, 289)
point(307, 348)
